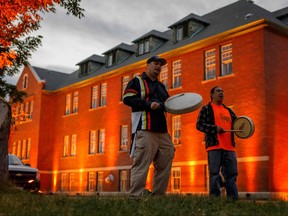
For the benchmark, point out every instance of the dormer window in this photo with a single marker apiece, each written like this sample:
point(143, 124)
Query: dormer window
point(150, 42)
point(144, 46)
point(285, 19)
point(182, 32)
point(112, 58)
point(118, 54)
point(92, 63)
point(187, 27)
point(84, 69)
point(186, 30)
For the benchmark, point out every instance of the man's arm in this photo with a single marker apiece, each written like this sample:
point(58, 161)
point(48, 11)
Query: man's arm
point(203, 123)
point(132, 96)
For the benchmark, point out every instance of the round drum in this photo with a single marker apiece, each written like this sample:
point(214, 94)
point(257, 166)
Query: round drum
point(183, 103)
point(243, 127)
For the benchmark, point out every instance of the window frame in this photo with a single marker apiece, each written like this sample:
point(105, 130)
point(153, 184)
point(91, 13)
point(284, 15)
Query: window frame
point(101, 141)
point(226, 59)
point(124, 137)
point(176, 129)
point(210, 64)
point(177, 74)
point(176, 179)
point(103, 94)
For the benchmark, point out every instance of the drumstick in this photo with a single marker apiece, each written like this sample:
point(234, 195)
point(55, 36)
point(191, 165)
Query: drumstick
point(234, 130)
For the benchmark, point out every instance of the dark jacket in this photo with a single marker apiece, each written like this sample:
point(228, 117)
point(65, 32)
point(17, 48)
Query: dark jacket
point(140, 92)
point(206, 123)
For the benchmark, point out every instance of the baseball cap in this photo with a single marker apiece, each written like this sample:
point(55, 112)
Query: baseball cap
point(157, 59)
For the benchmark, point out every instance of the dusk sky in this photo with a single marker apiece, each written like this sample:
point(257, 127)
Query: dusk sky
point(68, 40)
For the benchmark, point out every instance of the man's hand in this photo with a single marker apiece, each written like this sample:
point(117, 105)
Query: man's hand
point(155, 105)
point(220, 130)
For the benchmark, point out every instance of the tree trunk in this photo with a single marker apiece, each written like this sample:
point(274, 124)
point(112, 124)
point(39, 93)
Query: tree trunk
point(5, 121)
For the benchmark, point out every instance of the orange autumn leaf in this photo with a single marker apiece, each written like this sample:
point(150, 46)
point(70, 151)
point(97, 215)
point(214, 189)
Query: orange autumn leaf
point(17, 19)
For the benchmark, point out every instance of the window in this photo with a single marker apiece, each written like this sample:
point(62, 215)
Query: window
point(68, 104)
point(66, 146)
point(103, 94)
point(100, 180)
point(176, 74)
point(164, 75)
point(75, 102)
point(25, 81)
point(31, 109)
point(176, 179)
point(124, 180)
point(124, 138)
point(64, 182)
point(14, 148)
point(69, 149)
point(226, 59)
point(94, 97)
point(24, 150)
point(92, 142)
point(101, 141)
point(91, 181)
point(84, 69)
point(26, 110)
point(182, 31)
point(125, 81)
point(95, 102)
point(19, 149)
point(23, 112)
point(176, 126)
point(179, 33)
point(73, 145)
point(144, 46)
point(71, 182)
point(111, 58)
point(210, 65)
point(28, 148)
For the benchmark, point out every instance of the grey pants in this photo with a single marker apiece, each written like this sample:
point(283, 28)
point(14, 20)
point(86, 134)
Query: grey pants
point(151, 147)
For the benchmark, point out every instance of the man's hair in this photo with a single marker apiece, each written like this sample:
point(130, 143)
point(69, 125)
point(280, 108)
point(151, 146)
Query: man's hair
point(212, 91)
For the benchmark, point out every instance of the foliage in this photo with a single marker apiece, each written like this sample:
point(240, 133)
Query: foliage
point(23, 203)
point(18, 19)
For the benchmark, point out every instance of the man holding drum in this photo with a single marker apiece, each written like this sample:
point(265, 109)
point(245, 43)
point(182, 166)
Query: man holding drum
point(214, 118)
point(151, 141)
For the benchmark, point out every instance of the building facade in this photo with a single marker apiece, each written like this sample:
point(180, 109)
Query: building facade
point(76, 130)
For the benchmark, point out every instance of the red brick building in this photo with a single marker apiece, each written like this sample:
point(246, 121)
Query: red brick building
point(76, 130)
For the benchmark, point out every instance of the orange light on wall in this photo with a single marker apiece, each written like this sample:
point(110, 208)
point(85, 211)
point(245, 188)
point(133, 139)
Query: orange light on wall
point(192, 176)
point(81, 173)
point(55, 166)
point(251, 170)
point(54, 187)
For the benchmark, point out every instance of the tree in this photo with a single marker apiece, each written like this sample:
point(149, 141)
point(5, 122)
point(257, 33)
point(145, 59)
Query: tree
point(18, 19)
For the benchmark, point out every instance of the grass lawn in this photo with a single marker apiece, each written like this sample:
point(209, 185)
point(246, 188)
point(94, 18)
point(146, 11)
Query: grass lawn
point(18, 202)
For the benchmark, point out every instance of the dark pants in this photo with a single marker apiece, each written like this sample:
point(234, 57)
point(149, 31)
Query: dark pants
point(227, 160)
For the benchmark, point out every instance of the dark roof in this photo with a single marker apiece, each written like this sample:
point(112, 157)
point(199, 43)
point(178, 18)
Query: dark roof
point(122, 46)
point(154, 33)
point(219, 21)
point(281, 13)
point(94, 58)
point(190, 17)
point(53, 79)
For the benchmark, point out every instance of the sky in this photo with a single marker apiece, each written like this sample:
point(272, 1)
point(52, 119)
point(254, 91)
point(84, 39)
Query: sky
point(68, 40)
